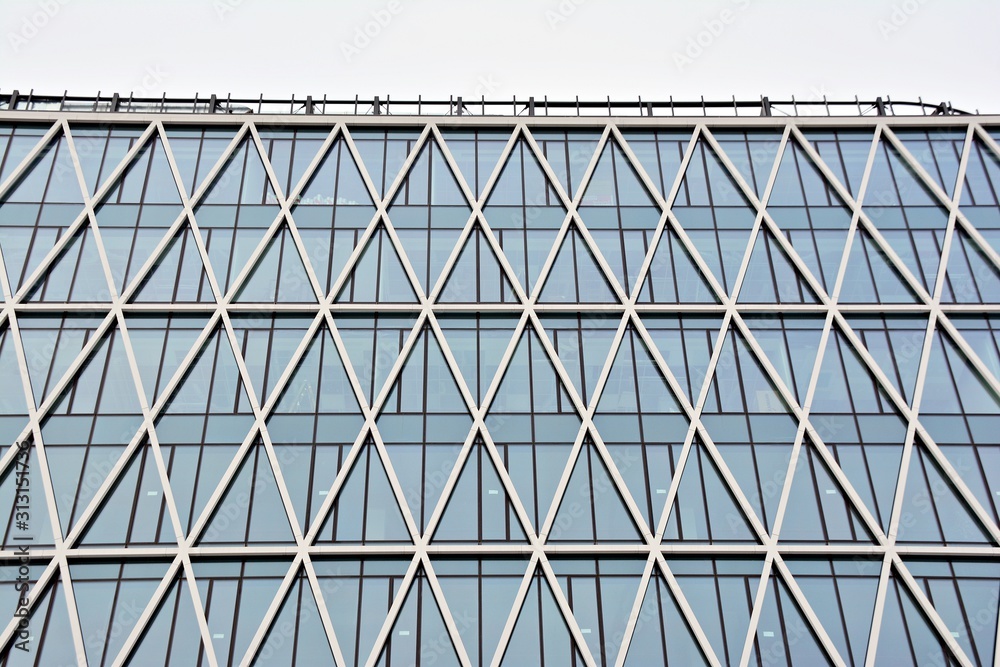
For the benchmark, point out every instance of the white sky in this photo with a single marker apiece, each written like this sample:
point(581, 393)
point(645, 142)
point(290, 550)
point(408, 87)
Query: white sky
point(942, 50)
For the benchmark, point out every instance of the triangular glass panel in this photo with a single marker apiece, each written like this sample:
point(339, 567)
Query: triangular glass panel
point(870, 276)
point(424, 423)
point(705, 509)
point(242, 180)
point(790, 343)
point(178, 275)
point(428, 213)
point(134, 513)
point(358, 595)
point(845, 152)
point(583, 344)
point(717, 217)
point(771, 277)
point(51, 345)
point(620, 214)
point(235, 212)
point(373, 343)
point(938, 151)
point(811, 214)
point(378, 276)
point(971, 276)
point(962, 415)
point(476, 153)
point(525, 214)
point(331, 213)
point(174, 630)
point(721, 594)
point(845, 385)
point(211, 462)
point(662, 636)
point(478, 343)
point(419, 631)
point(480, 594)
point(110, 599)
point(740, 384)
point(48, 631)
point(640, 422)
point(366, 509)
point(477, 276)
point(479, 510)
point(18, 140)
point(660, 153)
point(279, 275)
point(315, 422)
point(534, 425)
point(980, 332)
point(757, 450)
point(267, 345)
point(817, 509)
point(89, 426)
point(870, 458)
point(721, 248)
point(75, 275)
point(753, 154)
point(854, 417)
point(538, 618)
point(160, 345)
point(673, 275)
point(22, 139)
point(233, 523)
point(36, 212)
point(635, 384)
point(138, 211)
point(906, 637)
point(933, 510)
point(569, 153)
point(909, 216)
point(591, 487)
point(297, 630)
point(203, 425)
point(842, 595)
point(896, 343)
point(383, 153)
point(290, 151)
point(686, 343)
point(783, 633)
point(639, 419)
point(196, 151)
point(12, 483)
point(964, 594)
point(981, 195)
point(13, 408)
point(236, 596)
point(575, 275)
point(601, 594)
point(530, 383)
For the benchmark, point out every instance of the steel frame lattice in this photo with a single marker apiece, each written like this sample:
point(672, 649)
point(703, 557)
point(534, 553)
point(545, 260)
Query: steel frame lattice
point(629, 312)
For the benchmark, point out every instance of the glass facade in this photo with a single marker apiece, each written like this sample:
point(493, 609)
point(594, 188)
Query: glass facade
point(393, 392)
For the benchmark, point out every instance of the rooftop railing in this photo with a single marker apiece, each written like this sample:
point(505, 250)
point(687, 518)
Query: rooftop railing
point(458, 106)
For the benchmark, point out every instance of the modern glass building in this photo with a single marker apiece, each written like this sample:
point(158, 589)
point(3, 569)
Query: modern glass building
point(543, 384)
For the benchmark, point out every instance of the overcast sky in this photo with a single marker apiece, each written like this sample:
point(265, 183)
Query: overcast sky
point(942, 50)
